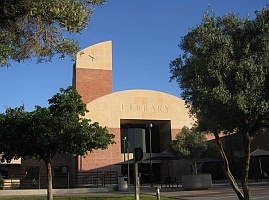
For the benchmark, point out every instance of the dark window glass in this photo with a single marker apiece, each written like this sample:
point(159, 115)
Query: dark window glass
point(138, 135)
point(4, 172)
point(61, 172)
point(32, 172)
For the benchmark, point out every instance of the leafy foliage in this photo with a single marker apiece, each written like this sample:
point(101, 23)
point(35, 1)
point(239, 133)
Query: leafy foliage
point(44, 132)
point(212, 151)
point(190, 144)
point(224, 69)
point(224, 77)
point(40, 28)
point(59, 128)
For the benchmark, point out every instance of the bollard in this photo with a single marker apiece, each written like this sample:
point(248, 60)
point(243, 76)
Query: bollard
point(158, 195)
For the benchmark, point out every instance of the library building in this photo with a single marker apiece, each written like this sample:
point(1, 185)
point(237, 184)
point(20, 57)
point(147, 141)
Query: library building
point(138, 118)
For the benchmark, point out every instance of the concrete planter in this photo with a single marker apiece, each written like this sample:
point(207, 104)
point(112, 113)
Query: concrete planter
point(197, 181)
point(122, 183)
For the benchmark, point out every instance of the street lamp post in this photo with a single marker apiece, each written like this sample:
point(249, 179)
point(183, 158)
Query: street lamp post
point(128, 161)
point(128, 168)
point(150, 154)
point(124, 139)
point(124, 150)
point(124, 147)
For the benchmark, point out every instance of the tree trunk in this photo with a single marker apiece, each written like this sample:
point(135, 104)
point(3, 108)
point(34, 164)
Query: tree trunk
point(244, 180)
point(49, 181)
point(226, 168)
point(195, 167)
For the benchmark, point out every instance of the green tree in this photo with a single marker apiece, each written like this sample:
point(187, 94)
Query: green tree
point(190, 144)
point(223, 75)
point(41, 28)
point(58, 129)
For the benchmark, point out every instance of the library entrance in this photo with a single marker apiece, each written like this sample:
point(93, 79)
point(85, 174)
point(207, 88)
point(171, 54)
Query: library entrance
point(148, 136)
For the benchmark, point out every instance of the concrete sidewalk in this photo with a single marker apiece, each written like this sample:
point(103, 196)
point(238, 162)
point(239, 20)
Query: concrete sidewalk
point(221, 191)
point(43, 192)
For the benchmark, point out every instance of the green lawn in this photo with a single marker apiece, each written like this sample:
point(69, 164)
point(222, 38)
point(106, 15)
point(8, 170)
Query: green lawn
point(90, 197)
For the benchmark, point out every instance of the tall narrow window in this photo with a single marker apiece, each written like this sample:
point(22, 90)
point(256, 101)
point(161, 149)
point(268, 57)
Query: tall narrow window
point(61, 171)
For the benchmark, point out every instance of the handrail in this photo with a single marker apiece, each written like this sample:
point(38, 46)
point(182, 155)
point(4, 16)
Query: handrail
point(67, 180)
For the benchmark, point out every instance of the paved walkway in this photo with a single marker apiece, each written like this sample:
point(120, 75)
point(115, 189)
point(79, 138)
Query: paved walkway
point(219, 191)
point(259, 191)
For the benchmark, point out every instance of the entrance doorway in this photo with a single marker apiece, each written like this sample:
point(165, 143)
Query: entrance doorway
point(147, 135)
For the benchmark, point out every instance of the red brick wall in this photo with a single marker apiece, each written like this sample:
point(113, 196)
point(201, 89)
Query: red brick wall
point(92, 83)
point(18, 171)
point(174, 132)
point(103, 160)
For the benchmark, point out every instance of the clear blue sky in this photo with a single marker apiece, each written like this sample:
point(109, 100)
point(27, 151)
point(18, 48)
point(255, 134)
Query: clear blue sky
point(144, 34)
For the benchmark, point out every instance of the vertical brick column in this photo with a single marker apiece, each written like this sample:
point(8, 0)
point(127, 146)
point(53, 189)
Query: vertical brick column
point(92, 76)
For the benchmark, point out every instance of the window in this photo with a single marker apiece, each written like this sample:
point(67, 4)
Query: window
point(32, 172)
point(135, 138)
point(138, 135)
point(61, 171)
point(4, 171)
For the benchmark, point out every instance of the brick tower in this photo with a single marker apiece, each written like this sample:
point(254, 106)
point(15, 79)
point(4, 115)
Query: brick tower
point(92, 76)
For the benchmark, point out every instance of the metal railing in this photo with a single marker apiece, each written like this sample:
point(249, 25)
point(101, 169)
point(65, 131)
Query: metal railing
point(67, 180)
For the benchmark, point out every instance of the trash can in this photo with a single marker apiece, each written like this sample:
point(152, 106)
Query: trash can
point(122, 183)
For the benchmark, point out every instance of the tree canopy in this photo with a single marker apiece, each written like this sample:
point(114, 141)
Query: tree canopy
point(224, 78)
point(57, 129)
point(41, 29)
point(190, 144)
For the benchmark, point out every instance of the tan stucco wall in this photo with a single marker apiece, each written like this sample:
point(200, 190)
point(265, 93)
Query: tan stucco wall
point(93, 80)
point(139, 104)
point(98, 56)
